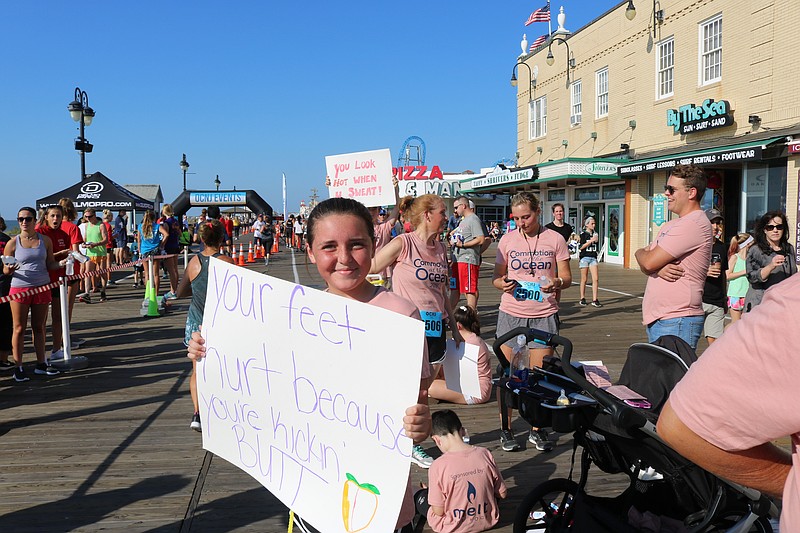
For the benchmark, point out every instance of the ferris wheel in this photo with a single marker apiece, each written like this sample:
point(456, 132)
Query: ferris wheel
point(412, 152)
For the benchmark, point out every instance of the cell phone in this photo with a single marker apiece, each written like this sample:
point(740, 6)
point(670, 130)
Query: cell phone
point(716, 258)
point(508, 280)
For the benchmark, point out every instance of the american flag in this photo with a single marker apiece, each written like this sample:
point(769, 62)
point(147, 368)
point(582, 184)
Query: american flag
point(538, 42)
point(540, 15)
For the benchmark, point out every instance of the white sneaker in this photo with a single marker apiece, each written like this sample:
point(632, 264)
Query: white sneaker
point(57, 355)
point(421, 457)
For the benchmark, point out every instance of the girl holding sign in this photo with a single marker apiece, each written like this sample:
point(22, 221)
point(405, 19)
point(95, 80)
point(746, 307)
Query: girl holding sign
point(525, 271)
point(469, 326)
point(341, 243)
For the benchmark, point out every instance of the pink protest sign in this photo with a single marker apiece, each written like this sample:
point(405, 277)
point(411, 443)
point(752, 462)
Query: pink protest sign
point(363, 176)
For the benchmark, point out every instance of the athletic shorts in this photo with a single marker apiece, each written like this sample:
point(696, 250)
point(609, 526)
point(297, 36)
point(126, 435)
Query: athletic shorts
point(714, 321)
point(98, 259)
point(32, 299)
point(172, 251)
point(437, 346)
point(466, 278)
point(736, 303)
point(506, 323)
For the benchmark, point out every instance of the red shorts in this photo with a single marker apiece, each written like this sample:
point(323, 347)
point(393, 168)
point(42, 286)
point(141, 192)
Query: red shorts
point(32, 299)
point(466, 278)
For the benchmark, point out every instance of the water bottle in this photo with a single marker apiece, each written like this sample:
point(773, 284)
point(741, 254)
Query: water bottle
point(520, 360)
point(544, 282)
point(70, 266)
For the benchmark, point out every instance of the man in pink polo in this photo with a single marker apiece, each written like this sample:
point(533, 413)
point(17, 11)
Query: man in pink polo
point(676, 263)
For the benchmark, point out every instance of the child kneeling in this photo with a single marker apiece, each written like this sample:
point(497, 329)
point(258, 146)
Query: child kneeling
point(468, 476)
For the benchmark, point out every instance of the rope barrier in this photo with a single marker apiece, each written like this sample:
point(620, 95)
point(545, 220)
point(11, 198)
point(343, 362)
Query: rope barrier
point(65, 279)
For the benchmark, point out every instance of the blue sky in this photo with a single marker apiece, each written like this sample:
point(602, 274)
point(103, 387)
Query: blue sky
point(250, 89)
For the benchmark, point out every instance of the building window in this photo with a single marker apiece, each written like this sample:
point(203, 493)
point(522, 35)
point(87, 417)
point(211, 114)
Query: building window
point(575, 104)
point(711, 50)
point(601, 81)
point(665, 63)
point(538, 118)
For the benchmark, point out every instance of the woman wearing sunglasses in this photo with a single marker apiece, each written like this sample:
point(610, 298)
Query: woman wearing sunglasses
point(32, 255)
point(771, 260)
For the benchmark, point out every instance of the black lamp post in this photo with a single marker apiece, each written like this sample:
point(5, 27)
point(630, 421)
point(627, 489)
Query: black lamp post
point(81, 113)
point(184, 166)
point(550, 59)
point(217, 182)
point(531, 77)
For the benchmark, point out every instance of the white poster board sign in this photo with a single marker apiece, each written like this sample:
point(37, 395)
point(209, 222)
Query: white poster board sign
point(363, 176)
point(461, 369)
point(304, 391)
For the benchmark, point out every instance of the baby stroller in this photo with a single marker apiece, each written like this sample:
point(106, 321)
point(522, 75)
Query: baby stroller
point(666, 492)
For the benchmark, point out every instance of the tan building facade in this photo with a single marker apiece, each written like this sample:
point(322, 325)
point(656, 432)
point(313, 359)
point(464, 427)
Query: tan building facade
point(710, 82)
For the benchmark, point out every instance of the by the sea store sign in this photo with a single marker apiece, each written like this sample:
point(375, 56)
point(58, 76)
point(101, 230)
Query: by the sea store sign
point(691, 118)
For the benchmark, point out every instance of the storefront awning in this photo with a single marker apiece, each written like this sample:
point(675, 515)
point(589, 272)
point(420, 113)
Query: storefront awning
point(735, 153)
point(568, 168)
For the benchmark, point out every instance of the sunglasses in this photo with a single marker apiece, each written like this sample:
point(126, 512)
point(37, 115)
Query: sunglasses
point(770, 227)
point(90, 216)
point(670, 189)
point(24, 219)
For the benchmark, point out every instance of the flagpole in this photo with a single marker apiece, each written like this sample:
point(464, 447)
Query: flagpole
point(285, 217)
point(549, 22)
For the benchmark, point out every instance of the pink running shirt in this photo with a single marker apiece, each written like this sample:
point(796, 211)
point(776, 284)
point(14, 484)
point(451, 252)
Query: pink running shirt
point(465, 484)
point(515, 251)
point(420, 274)
point(741, 393)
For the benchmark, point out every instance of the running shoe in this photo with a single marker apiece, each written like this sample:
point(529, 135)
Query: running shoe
point(421, 457)
point(44, 369)
point(111, 283)
point(540, 439)
point(103, 297)
point(85, 298)
point(6, 366)
point(56, 356)
point(195, 425)
point(507, 441)
point(582, 301)
point(20, 375)
point(596, 303)
point(170, 296)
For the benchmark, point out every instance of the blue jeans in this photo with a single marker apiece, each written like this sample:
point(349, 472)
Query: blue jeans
point(688, 328)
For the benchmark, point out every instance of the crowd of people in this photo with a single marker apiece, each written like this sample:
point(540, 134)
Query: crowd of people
point(694, 279)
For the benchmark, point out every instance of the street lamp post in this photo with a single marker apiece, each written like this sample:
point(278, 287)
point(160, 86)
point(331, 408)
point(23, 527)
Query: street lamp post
point(570, 58)
point(217, 182)
point(81, 113)
point(184, 166)
point(531, 77)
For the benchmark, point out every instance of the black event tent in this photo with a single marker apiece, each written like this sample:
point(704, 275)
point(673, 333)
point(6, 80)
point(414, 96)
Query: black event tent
point(99, 192)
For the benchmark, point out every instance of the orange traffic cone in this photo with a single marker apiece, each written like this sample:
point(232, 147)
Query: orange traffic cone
point(241, 255)
point(250, 258)
point(275, 246)
point(259, 251)
point(234, 255)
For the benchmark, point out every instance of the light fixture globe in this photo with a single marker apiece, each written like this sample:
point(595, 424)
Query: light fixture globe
point(88, 115)
point(75, 109)
point(550, 59)
point(630, 11)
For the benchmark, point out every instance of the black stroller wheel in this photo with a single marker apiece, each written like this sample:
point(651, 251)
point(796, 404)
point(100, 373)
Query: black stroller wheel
point(547, 508)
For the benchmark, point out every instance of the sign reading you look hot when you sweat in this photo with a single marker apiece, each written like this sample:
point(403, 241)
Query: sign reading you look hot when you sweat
point(301, 389)
point(363, 176)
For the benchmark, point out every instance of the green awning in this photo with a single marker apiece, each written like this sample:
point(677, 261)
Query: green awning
point(734, 153)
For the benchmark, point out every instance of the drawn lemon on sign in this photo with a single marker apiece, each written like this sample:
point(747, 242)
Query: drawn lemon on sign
point(359, 504)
